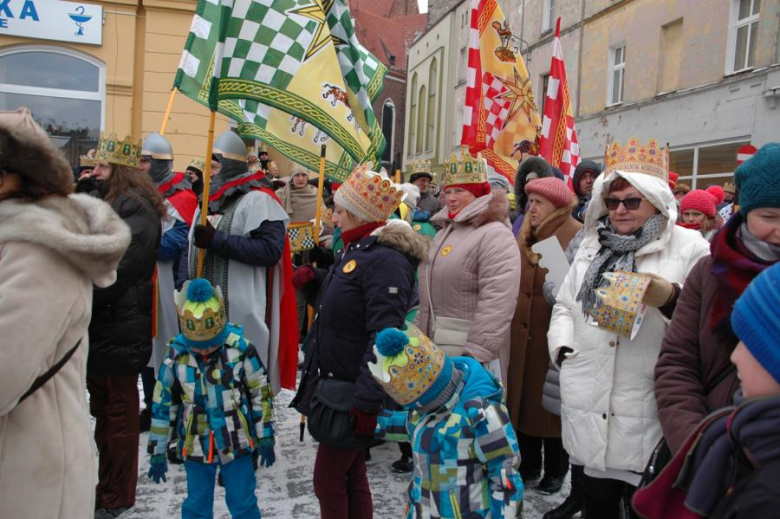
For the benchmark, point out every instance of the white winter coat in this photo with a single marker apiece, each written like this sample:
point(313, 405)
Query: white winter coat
point(608, 408)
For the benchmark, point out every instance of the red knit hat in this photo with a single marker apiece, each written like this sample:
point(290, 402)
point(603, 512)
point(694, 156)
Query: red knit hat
point(673, 180)
point(699, 200)
point(718, 193)
point(551, 188)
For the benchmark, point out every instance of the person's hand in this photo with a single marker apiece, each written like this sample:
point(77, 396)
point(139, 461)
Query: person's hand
point(158, 468)
point(659, 292)
point(302, 276)
point(203, 235)
point(266, 450)
point(363, 423)
point(562, 355)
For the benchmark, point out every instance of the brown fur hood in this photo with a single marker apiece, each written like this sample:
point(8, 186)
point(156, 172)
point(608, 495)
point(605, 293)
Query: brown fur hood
point(493, 207)
point(528, 237)
point(398, 235)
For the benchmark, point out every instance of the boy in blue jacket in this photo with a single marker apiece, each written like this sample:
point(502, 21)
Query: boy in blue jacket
point(226, 406)
point(466, 456)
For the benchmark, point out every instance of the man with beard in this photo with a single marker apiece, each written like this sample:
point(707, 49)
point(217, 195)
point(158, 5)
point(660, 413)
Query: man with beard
point(246, 254)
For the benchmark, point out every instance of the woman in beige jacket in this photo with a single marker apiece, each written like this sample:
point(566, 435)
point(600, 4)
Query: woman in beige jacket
point(469, 288)
point(53, 247)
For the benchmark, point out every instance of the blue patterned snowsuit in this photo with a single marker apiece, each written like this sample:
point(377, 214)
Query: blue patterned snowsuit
point(466, 455)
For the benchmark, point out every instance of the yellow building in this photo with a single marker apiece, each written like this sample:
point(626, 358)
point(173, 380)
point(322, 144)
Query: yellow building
point(114, 76)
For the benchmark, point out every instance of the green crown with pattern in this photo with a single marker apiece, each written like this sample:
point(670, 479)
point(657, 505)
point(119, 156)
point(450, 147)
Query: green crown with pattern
point(122, 153)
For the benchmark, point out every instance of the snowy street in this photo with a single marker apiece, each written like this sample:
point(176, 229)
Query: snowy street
point(285, 490)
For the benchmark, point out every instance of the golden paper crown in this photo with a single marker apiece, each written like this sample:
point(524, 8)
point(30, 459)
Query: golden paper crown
point(420, 166)
point(468, 170)
point(85, 161)
point(122, 153)
point(412, 372)
point(620, 309)
point(326, 216)
point(730, 187)
point(651, 159)
point(368, 195)
point(198, 164)
point(205, 327)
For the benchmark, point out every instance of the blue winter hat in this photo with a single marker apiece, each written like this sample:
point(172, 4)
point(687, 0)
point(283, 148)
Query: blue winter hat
point(756, 321)
point(758, 179)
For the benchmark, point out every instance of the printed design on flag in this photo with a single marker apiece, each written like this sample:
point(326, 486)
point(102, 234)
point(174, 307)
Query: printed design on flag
point(299, 127)
point(322, 36)
point(301, 237)
point(496, 107)
point(521, 95)
point(503, 52)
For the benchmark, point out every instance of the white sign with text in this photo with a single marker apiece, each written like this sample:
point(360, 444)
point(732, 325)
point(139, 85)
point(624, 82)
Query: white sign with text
point(52, 20)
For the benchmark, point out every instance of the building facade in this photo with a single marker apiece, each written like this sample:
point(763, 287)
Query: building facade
point(115, 77)
point(703, 75)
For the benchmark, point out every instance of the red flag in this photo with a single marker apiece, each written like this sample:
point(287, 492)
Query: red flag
point(559, 145)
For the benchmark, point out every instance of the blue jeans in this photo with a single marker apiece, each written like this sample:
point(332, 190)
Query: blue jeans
point(239, 478)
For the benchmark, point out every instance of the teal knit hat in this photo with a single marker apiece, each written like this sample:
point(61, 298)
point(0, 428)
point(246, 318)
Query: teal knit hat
point(756, 321)
point(758, 179)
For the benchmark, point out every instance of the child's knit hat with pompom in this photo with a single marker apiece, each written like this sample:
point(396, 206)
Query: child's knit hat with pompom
point(202, 318)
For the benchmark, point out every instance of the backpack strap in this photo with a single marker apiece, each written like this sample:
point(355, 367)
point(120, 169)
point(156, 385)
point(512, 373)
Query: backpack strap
point(40, 381)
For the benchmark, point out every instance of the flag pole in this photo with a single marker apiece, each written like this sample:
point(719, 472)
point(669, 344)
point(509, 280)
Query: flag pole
point(320, 187)
point(204, 208)
point(167, 116)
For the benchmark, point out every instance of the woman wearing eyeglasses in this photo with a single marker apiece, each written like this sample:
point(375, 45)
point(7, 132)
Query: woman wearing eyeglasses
point(608, 410)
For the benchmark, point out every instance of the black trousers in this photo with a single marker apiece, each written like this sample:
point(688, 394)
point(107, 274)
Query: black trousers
point(556, 460)
point(608, 498)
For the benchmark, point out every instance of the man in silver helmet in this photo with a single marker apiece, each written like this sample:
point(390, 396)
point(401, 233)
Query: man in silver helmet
point(247, 255)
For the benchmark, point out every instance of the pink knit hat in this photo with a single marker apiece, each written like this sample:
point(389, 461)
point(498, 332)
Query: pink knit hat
point(718, 193)
point(699, 200)
point(551, 188)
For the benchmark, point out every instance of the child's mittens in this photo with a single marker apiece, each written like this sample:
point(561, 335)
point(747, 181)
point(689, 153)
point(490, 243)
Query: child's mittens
point(158, 468)
point(267, 455)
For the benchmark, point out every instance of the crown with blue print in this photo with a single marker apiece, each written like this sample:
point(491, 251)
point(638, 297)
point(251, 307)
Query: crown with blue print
point(202, 317)
point(409, 366)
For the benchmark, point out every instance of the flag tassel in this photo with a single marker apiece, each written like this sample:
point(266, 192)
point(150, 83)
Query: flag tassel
point(204, 209)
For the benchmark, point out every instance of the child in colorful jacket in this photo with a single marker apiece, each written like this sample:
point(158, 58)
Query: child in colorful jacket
point(226, 406)
point(465, 452)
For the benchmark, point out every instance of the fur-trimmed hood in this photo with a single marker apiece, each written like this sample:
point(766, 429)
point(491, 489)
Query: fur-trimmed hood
point(84, 230)
point(493, 207)
point(399, 235)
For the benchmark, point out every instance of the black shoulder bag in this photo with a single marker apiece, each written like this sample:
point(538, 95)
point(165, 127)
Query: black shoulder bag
point(40, 381)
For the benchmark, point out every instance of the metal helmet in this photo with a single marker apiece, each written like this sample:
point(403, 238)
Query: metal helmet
point(158, 147)
point(230, 146)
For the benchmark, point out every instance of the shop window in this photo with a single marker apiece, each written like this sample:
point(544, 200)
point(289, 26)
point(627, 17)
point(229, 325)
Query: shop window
point(701, 166)
point(715, 160)
point(63, 89)
point(681, 162)
point(743, 34)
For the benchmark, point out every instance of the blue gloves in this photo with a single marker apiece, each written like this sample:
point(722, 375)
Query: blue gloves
point(158, 468)
point(420, 215)
point(266, 450)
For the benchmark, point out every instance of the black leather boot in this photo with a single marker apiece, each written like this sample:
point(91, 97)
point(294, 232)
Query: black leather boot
point(573, 503)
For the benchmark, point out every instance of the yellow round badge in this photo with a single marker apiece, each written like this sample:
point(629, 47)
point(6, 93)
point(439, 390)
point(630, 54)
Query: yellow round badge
point(349, 267)
point(446, 250)
point(417, 227)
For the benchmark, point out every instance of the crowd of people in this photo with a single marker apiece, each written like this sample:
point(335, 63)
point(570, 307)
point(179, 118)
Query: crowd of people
point(651, 372)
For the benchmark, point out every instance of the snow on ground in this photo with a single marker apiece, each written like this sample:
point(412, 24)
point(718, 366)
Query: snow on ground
point(285, 490)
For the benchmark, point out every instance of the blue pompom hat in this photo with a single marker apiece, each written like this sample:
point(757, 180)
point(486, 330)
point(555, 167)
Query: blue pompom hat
point(756, 321)
point(202, 317)
point(409, 366)
point(758, 179)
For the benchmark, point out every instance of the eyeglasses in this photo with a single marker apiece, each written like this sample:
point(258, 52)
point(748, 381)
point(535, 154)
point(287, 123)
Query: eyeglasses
point(630, 204)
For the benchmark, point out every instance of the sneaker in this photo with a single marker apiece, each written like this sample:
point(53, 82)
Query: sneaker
point(402, 466)
point(550, 485)
point(145, 418)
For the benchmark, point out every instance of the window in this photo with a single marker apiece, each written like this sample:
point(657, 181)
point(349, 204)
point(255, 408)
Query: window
point(671, 56)
point(703, 165)
point(63, 89)
point(418, 148)
point(548, 15)
point(617, 69)
point(743, 35)
point(388, 129)
point(433, 85)
point(545, 86)
point(412, 117)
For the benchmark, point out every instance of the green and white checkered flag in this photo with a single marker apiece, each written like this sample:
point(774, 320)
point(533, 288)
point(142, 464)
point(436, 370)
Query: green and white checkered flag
point(272, 66)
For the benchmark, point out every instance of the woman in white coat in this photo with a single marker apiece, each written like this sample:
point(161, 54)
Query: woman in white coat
point(608, 408)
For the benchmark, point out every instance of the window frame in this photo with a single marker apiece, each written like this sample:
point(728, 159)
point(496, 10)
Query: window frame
point(548, 15)
point(60, 93)
point(430, 116)
point(612, 68)
point(735, 23)
point(695, 177)
point(412, 147)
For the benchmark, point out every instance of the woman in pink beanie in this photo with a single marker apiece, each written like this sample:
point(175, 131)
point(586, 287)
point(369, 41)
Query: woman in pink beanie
point(549, 214)
point(699, 212)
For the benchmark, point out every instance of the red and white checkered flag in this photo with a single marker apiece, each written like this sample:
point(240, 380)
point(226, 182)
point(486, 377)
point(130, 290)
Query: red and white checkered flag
point(497, 109)
point(559, 145)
